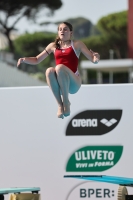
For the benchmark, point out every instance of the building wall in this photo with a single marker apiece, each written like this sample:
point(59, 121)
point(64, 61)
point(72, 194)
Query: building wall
point(130, 28)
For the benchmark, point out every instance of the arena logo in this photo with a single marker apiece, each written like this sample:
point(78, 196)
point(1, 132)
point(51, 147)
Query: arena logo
point(93, 122)
point(94, 158)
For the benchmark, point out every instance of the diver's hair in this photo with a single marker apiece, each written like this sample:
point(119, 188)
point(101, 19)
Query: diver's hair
point(57, 45)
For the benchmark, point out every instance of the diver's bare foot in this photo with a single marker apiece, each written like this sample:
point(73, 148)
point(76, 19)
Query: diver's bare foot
point(60, 112)
point(67, 109)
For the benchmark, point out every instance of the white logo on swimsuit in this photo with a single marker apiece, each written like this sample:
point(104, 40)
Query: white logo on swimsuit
point(108, 122)
point(63, 51)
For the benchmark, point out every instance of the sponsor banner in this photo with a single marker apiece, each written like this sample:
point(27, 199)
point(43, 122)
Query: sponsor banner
point(92, 190)
point(38, 149)
point(93, 122)
point(94, 158)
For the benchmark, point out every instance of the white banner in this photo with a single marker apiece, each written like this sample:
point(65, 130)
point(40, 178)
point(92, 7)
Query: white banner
point(37, 149)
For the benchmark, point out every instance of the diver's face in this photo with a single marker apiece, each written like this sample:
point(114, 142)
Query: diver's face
point(64, 32)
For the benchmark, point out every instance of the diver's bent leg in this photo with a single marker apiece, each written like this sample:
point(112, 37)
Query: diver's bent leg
point(69, 83)
point(64, 82)
point(53, 84)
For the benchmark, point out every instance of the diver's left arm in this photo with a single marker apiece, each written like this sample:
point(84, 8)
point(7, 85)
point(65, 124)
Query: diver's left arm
point(91, 55)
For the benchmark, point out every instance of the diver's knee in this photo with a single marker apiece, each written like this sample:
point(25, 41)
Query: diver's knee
point(49, 71)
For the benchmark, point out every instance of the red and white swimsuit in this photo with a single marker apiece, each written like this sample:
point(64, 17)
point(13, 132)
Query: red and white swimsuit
point(67, 57)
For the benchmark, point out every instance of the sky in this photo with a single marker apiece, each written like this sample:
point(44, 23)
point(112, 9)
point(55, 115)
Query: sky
point(90, 9)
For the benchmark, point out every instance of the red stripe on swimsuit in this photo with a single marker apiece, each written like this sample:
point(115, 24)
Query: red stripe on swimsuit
point(66, 57)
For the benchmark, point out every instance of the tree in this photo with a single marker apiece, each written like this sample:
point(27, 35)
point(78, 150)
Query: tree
point(22, 8)
point(113, 36)
point(114, 27)
point(103, 43)
point(115, 23)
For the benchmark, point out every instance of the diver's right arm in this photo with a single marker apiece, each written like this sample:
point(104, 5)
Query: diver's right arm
point(39, 58)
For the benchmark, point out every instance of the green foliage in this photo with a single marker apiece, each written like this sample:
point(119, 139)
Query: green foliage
point(104, 43)
point(39, 75)
point(113, 36)
point(98, 44)
point(95, 30)
point(32, 44)
point(114, 23)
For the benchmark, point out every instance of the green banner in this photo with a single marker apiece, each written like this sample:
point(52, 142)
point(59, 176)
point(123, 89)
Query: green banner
point(94, 158)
